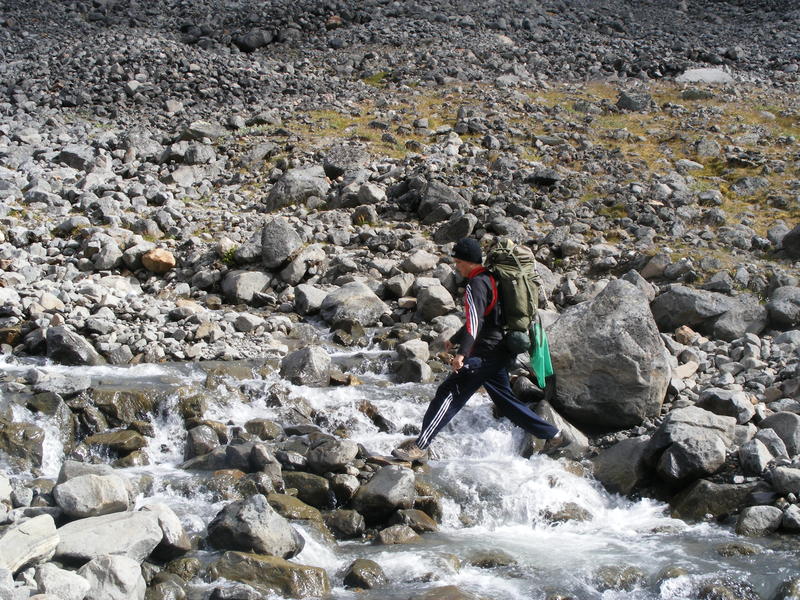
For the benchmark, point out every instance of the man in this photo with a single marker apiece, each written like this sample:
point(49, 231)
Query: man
point(480, 360)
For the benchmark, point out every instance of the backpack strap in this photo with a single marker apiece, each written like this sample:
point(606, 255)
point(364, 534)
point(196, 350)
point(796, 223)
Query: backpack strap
point(479, 271)
point(493, 303)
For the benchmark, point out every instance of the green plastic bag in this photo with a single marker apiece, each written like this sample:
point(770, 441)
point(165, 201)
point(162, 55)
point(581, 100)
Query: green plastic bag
point(540, 354)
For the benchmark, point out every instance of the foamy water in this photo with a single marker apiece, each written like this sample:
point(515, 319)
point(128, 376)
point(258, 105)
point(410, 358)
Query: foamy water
point(494, 500)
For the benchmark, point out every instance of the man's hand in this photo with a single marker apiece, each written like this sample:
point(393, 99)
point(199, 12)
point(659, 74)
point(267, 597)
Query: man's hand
point(448, 345)
point(457, 362)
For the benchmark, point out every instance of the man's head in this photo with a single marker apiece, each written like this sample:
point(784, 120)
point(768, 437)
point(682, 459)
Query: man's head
point(467, 255)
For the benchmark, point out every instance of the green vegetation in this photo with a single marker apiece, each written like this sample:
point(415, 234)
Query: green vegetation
point(229, 258)
point(604, 148)
point(614, 211)
point(360, 220)
point(376, 79)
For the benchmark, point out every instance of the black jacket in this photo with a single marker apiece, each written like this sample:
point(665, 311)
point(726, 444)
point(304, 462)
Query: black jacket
point(482, 333)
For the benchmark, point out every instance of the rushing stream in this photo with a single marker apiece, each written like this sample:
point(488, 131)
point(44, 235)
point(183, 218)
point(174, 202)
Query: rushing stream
point(495, 501)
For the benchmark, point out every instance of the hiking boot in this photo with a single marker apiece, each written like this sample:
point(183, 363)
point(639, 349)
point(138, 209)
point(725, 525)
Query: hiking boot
point(411, 453)
point(554, 443)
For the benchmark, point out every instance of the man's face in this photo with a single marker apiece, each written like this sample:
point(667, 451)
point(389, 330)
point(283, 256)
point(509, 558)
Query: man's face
point(463, 267)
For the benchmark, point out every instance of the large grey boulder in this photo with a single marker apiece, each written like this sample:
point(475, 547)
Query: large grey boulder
point(247, 322)
point(747, 186)
point(108, 256)
point(73, 468)
point(308, 299)
point(345, 524)
point(610, 360)
point(371, 193)
point(691, 443)
point(279, 241)
point(754, 457)
point(132, 257)
point(344, 160)
point(142, 145)
point(731, 403)
point(705, 497)
point(307, 366)
point(634, 101)
point(354, 301)
point(67, 384)
point(364, 574)
point(22, 443)
point(241, 286)
point(69, 348)
point(457, 227)
point(773, 442)
point(253, 40)
point(787, 426)
point(704, 75)
point(759, 520)
point(130, 534)
point(77, 156)
point(439, 202)
point(784, 307)
point(693, 422)
point(344, 487)
point(791, 338)
point(397, 534)
point(197, 130)
point(419, 261)
point(331, 455)
point(252, 525)
point(92, 496)
point(200, 440)
point(415, 348)
point(246, 253)
point(296, 186)
point(577, 443)
point(28, 542)
point(61, 583)
point(254, 157)
point(270, 575)
point(114, 578)
point(621, 468)
point(389, 489)
point(786, 480)
point(434, 301)
point(691, 458)
point(119, 442)
point(313, 490)
point(413, 370)
point(213, 461)
point(312, 257)
point(174, 542)
point(199, 154)
point(683, 305)
point(791, 242)
point(745, 315)
point(791, 522)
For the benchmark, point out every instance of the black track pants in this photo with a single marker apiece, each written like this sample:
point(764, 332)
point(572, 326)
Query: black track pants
point(453, 393)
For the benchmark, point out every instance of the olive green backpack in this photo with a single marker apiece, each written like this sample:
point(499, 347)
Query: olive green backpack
point(514, 269)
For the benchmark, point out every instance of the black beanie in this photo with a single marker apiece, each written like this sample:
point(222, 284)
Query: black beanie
point(469, 250)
